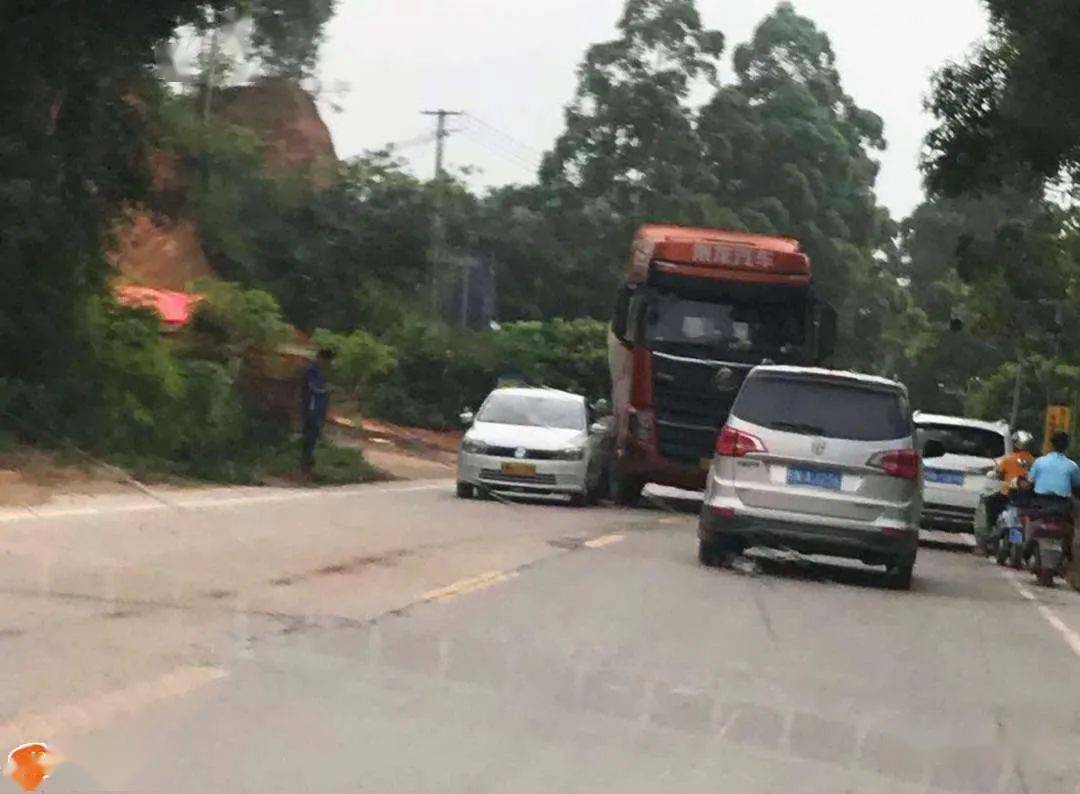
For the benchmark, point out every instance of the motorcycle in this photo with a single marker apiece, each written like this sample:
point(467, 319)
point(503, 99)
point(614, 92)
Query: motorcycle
point(1009, 542)
point(1049, 535)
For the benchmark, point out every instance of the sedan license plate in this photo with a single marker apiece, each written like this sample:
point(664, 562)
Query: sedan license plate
point(945, 477)
point(519, 469)
point(832, 479)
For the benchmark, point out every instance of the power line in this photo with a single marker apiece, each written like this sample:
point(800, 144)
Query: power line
point(517, 142)
point(505, 154)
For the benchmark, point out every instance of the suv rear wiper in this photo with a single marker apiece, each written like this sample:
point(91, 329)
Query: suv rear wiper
point(797, 427)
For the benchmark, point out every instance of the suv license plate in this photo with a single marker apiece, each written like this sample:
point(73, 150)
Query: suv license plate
point(832, 479)
point(945, 477)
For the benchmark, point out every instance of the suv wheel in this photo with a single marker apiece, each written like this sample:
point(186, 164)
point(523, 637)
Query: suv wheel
point(464, 490)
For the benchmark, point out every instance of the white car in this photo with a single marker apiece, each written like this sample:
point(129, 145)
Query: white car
point(533, 441)
point(954, 484)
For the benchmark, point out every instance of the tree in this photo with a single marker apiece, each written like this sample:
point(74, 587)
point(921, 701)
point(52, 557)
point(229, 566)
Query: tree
point(72, 155)
point(629, 151)
point(1014, 106)
point(791, 153)
point(288, 33)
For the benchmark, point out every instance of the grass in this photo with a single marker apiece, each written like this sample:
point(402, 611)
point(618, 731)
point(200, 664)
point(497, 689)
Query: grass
point(269, 465)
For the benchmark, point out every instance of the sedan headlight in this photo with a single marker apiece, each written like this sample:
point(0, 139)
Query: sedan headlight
point(570, 453)
point(474, 446)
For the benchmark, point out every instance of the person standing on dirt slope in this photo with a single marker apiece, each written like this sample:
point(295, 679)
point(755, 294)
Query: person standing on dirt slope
point(314, 403)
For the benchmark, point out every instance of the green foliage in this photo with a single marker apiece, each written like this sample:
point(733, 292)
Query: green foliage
point(360, 360)
point(233, 321)
point(335, 255)
point(287, 34)
point(1014, 106)
point(441, 371)
point(72, 152)
point(569, 355)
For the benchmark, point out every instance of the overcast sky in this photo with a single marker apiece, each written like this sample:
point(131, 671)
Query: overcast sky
point(511, 64)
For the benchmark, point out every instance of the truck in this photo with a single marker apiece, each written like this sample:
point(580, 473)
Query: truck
point(698, 309)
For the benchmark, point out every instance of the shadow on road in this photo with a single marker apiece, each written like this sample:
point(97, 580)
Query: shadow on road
point(816, 570)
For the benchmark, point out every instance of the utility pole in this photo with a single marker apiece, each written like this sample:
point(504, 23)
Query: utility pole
point(438, 231)
point(441, 134)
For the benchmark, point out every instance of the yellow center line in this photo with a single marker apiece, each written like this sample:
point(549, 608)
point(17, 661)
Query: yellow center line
point(604, 540)
point(99, 710)
point(470, 585)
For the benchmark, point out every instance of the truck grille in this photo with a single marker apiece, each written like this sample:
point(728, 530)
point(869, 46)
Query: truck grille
point(690, 409)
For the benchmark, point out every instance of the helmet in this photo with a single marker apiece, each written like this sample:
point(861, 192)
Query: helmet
point(1022, 439)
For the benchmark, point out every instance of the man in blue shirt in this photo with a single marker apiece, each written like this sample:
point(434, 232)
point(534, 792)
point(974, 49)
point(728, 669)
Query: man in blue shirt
point(1055, 475)
point(314, 403)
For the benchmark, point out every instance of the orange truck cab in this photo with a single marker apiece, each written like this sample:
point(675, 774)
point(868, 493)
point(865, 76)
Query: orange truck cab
point(698, 310)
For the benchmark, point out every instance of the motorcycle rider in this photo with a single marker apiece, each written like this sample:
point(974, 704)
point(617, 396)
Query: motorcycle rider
point(1012, 470)
point(1055, 475)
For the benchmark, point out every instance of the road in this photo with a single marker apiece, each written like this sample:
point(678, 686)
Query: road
point(394, 639)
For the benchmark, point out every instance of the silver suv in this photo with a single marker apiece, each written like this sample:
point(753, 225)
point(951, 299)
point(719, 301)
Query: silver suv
point(818, 462)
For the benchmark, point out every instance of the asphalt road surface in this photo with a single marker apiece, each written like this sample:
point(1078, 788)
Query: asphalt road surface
point(395, 639)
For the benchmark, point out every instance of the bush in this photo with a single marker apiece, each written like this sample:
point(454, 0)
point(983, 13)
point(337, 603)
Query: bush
point(231, 320)
point(360, 360)
point(441, 371)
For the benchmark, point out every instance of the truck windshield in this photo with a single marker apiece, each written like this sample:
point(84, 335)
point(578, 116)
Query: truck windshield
point(672, 321)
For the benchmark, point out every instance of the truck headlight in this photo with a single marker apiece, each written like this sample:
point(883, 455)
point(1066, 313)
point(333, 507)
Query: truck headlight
point(474, 446)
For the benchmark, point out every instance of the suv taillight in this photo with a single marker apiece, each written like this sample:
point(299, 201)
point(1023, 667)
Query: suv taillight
point(902, 463)
point(732, 443)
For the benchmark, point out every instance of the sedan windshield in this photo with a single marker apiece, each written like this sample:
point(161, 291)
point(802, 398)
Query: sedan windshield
point(674, 321)
point(534, 411)
point(958, 440)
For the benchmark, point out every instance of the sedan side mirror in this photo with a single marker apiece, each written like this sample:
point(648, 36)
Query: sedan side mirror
point(933, 449)
point(467, 418)
point(598, 428)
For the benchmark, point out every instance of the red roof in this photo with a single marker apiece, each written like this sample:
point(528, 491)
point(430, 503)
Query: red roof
point(175, 308)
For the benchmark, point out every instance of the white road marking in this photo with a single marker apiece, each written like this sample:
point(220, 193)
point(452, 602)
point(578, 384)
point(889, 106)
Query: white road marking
point(1072, 639)
point(215, 501)
point(604, 540)
point(99, 710)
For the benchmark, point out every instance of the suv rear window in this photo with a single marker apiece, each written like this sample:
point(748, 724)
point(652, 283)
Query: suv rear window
point(816, 407)
point(959, 440)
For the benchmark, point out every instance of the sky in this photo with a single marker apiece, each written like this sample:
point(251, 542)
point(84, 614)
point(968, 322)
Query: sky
point(510, 64)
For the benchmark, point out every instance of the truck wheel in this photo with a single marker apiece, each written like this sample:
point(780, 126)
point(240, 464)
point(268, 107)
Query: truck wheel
point(464, 490)
point(901, 575)
point(625, 491)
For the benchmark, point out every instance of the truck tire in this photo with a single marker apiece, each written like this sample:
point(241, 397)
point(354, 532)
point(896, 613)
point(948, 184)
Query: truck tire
point(625, 490)
point(901, 575)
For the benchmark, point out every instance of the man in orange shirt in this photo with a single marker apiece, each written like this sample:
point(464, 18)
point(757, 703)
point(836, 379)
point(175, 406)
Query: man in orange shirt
point(1015, 467)
point(1012, 470)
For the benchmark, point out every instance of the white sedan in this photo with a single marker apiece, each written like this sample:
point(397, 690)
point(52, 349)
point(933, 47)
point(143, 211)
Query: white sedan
point(533, 441)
